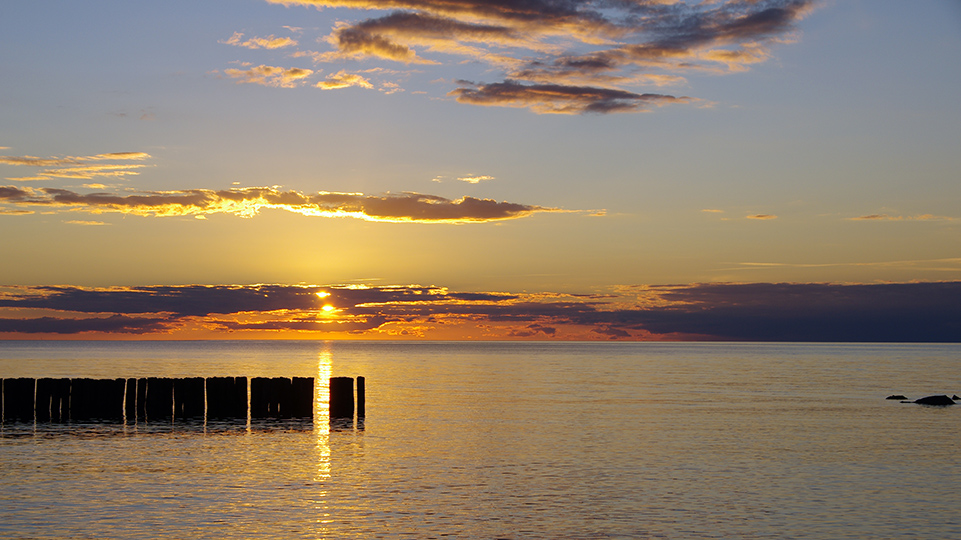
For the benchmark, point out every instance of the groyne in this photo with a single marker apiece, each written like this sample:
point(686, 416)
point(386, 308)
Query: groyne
point(155, 399)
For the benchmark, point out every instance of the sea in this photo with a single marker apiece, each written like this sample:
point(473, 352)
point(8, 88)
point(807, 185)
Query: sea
point(505, 440)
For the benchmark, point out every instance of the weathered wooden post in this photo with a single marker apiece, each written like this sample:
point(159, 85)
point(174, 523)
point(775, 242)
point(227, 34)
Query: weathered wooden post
point(361, 398)
point(80, 400)
point(18, 400)
point(226, 397)
point(302, 393)
point(158, 398)
point(141, 399)
point(130, 400)
point(53, 400)
point(108, 394)
point(342, 397)
point(189, 398)
point(269, 397)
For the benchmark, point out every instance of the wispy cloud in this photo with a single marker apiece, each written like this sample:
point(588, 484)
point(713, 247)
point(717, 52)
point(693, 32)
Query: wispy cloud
point(561, 56)
point(248, 202)
point(559, 99)
point(79, 167)
point(83, 222)
point(475, 179)
point(948, 264)
point(270, 75)
point(342, 79)
point(718, 311)
point(269, 42)
point(761, 216)
point(887, 217)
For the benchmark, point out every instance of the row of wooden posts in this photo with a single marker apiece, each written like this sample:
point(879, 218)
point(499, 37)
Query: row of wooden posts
point(157, 398)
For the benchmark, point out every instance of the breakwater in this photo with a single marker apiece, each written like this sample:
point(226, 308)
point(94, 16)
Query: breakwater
point(156, 399)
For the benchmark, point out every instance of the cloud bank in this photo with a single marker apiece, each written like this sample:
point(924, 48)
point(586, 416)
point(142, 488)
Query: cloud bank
point(825, 312)
point(248, 202)
point(563, 56)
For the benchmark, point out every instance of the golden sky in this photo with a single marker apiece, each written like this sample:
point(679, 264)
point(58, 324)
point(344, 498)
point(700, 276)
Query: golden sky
point(655, 169)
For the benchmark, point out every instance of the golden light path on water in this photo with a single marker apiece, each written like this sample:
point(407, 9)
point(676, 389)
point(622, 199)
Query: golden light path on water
point(322, 434)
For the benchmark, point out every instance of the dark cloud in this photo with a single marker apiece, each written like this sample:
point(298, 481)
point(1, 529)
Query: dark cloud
point(897, 312)
point(553, 98)
point(116, 324)
point(894, 312)
point(587, 46)
point(247, 202)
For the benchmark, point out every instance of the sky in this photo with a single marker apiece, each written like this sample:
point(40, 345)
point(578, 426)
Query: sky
point(779, 170)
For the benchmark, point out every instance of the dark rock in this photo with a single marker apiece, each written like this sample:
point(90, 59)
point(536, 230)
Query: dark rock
point(955, 397)
point(896, 396)
point(935, 400)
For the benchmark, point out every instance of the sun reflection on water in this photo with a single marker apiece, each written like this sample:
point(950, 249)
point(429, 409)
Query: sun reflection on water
point(322, 434)
point(322, 413)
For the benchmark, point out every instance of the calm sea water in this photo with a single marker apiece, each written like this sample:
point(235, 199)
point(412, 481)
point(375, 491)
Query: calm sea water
point(508, 440)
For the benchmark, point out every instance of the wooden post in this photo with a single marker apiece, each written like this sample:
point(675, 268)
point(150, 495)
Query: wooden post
point(141, 388)
point(302, 402)
point(53, 400)
point(130, 391)
point(361, 398)
point(80, 402)
point(342, 397)
point(158, 401)
point(226, 397)
point(18, 400)
point(189, 398)
point(261, 392)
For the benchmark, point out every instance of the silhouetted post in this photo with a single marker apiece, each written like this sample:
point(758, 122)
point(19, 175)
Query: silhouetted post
point(189, 398)
point(18, 400)
point(81, 408)
point(302, 402)
point(342, 397)
point(141, 389)
point(361, 399)
point(108, 394)
point(158, 398)
point(276, 398)
point(53, 400)
point(226, 397)
point(259, 401)
point(264, 397)
point(130, 393)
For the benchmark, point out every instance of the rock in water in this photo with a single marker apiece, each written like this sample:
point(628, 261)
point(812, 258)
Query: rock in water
point(935, 400)
point(896, 396)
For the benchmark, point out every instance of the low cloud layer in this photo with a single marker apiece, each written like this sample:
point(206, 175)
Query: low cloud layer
point(248, 202)
point(893, 312)
point(561, 56)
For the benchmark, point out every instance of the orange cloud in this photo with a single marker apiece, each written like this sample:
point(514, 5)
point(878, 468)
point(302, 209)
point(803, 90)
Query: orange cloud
point(886, 217)
point(77, 167)
point(248, 202)
point(270, 75)
point(269, 42)
point(342, 79)
point(892, 312)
